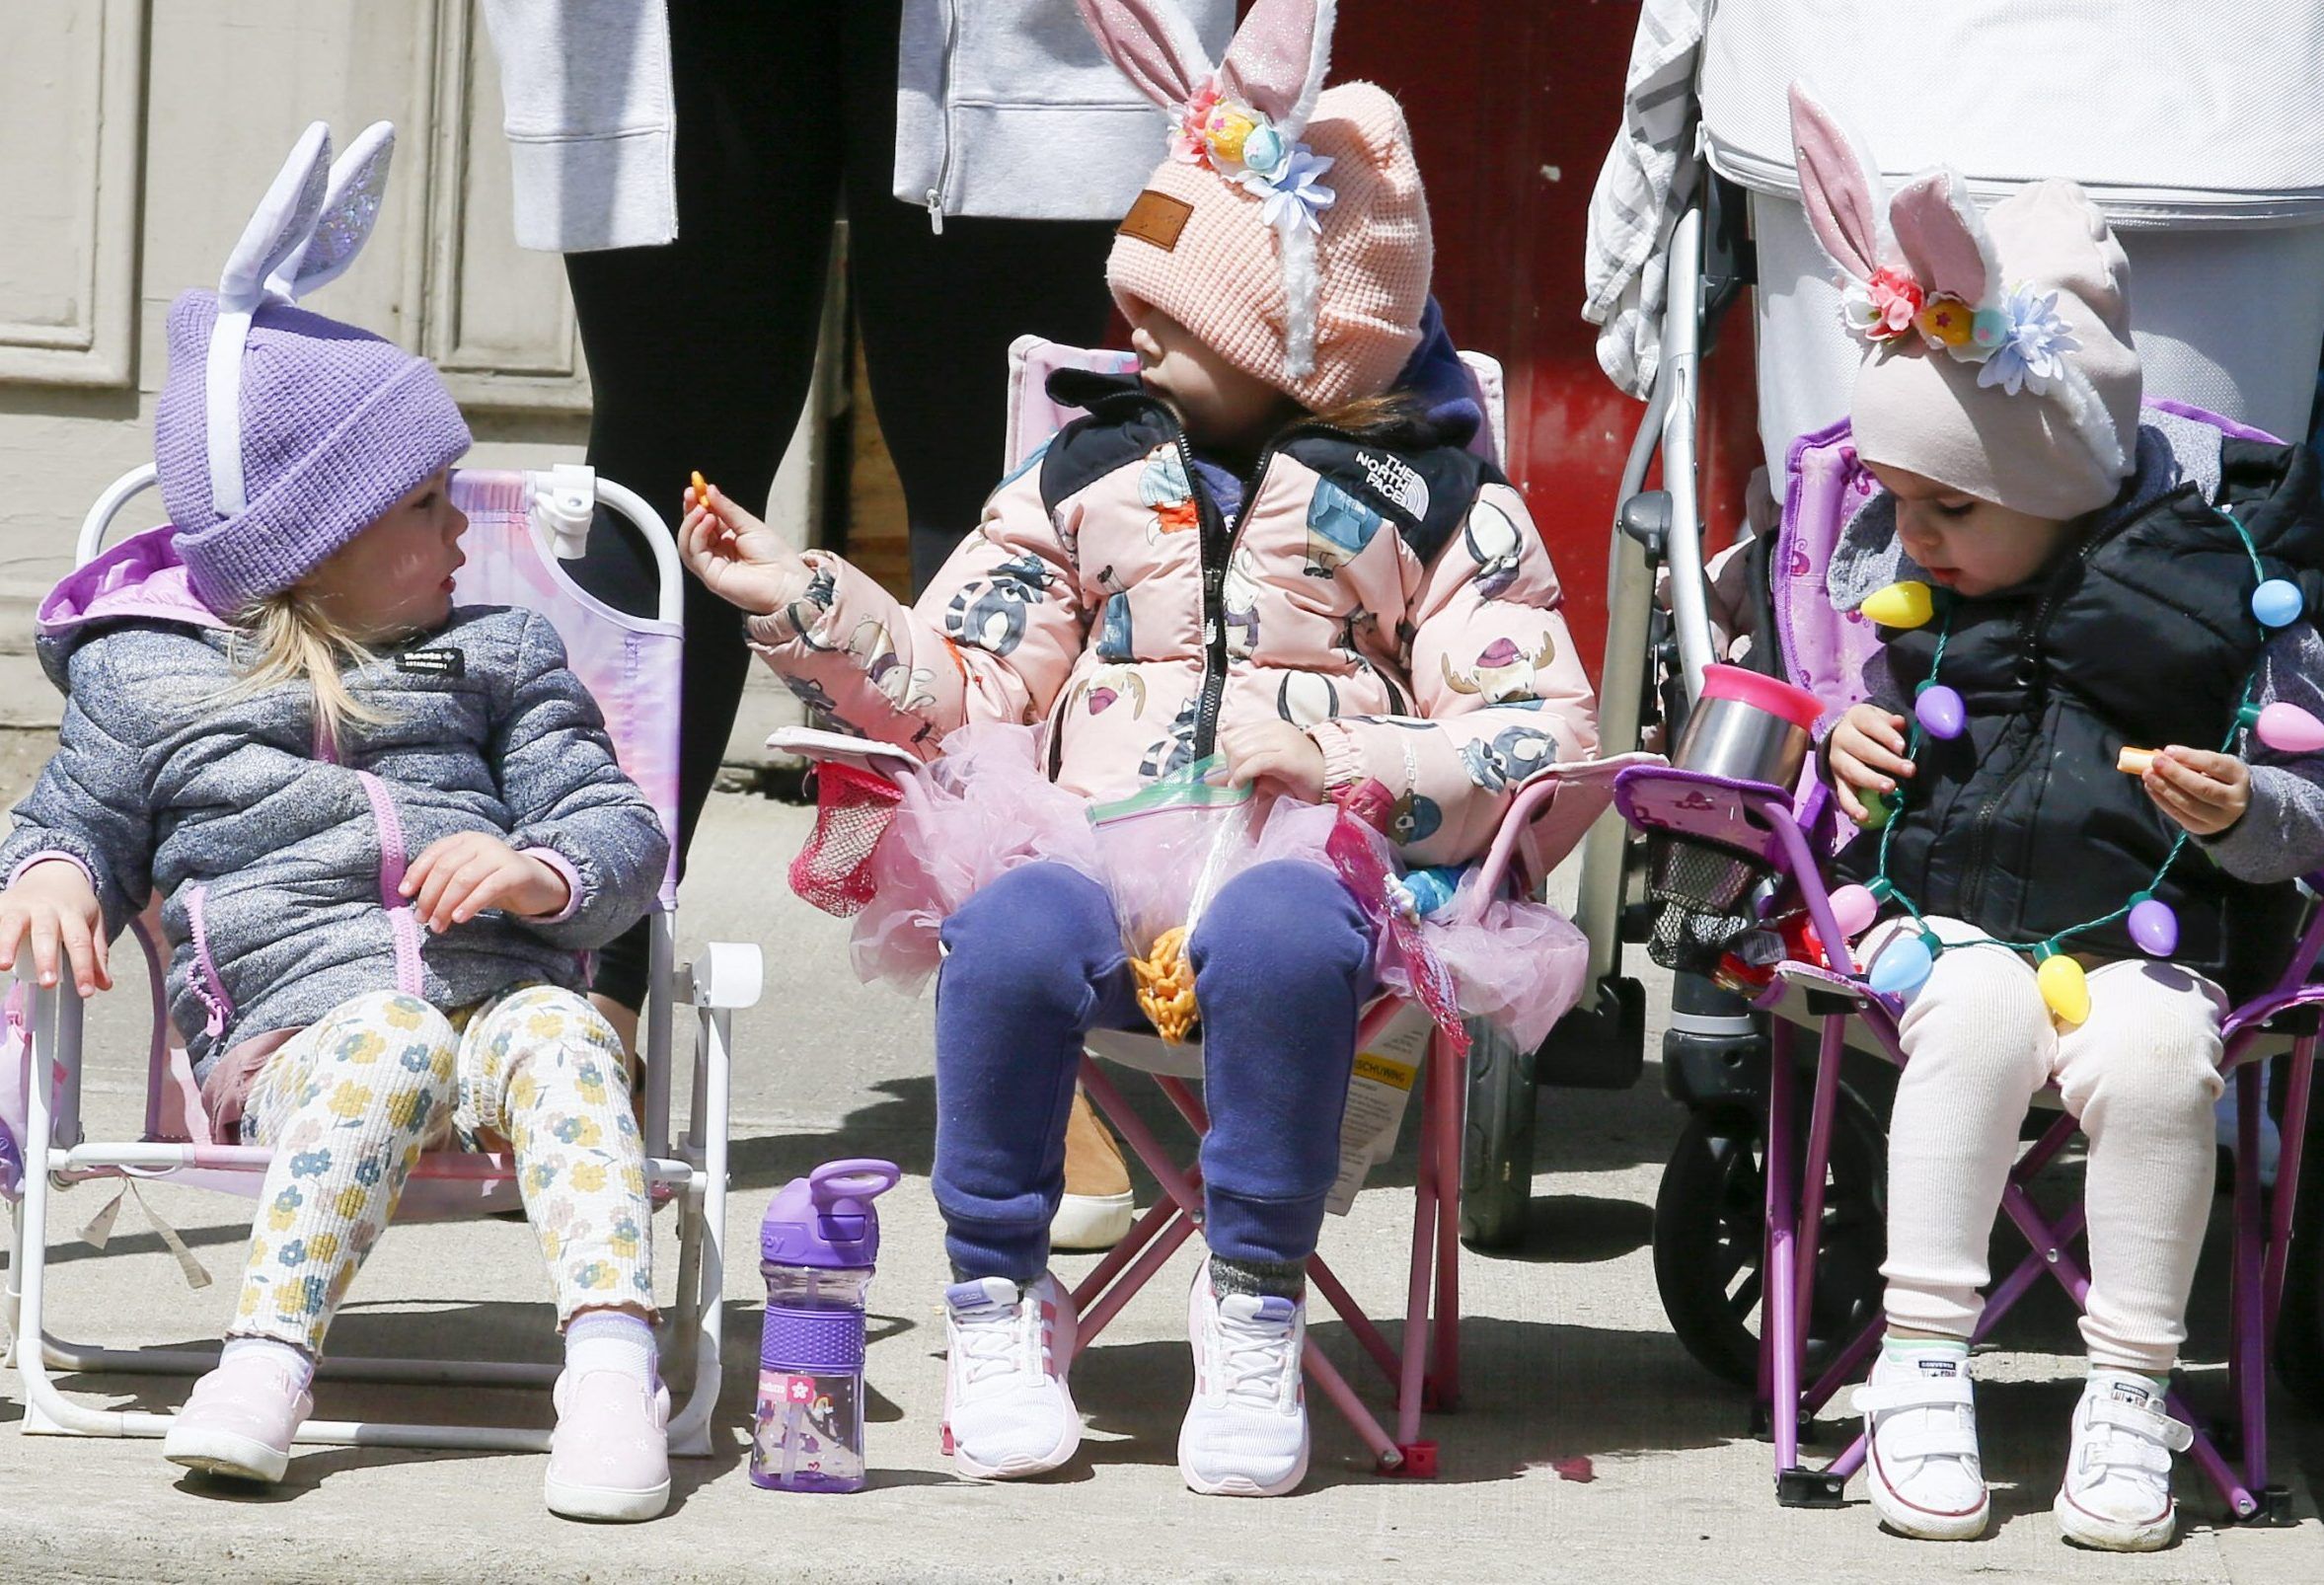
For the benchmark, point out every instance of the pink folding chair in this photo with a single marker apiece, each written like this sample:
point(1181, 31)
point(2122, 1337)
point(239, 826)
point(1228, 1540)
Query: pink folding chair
point(1785, 834)
point(1545, 818)
point(521, 527)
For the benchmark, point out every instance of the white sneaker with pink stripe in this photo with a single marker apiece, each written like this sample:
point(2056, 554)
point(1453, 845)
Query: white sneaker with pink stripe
point(1007, 1411)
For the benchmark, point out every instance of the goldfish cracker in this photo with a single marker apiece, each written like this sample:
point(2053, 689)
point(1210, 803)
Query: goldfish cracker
point(1165, 985)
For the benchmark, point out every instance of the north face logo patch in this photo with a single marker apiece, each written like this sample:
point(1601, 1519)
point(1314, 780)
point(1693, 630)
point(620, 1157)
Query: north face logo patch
point(1397, 480)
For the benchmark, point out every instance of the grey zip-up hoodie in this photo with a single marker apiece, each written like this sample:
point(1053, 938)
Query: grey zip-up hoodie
point(276, 865)
point(1003, 107)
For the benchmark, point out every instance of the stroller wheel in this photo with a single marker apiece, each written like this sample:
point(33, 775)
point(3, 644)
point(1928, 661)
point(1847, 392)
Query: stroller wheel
point(1497, 1161)
point(1710, 1237)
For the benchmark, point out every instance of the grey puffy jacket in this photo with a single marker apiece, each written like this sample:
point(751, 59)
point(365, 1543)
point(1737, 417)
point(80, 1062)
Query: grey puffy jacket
point(277, 867)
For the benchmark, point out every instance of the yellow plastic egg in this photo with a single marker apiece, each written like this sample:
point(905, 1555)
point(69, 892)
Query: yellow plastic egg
point(2065, 988)
point(1900, 605)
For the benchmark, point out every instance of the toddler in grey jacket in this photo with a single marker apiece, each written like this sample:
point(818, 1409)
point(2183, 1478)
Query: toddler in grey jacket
point(383, 831)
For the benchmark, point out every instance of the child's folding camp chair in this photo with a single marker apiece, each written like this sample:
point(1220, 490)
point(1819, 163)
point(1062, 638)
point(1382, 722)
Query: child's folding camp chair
point(1545, 817)
point(520, 525)
point(1773, 835)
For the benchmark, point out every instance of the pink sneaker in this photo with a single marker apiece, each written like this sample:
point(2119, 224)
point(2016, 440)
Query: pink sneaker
point(239, 1420)
point(608, 1456)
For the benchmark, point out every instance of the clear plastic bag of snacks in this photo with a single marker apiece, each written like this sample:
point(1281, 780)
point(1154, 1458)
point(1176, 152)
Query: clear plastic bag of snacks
point(1167, 850)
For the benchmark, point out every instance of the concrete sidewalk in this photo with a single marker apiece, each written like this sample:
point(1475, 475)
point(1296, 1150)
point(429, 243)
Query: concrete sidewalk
point(1591, 1447)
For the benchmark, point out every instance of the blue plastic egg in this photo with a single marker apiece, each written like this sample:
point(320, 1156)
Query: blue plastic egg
point(1903, 965)
point(2277, 603)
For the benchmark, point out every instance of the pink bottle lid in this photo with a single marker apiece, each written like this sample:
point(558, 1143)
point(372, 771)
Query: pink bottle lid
point(1770, 694)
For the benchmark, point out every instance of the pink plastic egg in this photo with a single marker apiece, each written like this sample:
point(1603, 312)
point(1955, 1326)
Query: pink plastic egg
point(1853, 909)
point(2289, 730)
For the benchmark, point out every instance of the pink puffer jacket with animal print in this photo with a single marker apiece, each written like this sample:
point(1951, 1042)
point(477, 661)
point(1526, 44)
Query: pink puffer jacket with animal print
point(1391, 599)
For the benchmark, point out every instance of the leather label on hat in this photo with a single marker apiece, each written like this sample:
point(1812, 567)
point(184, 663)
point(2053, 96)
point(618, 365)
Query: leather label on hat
point(1157, 217)
point(443, 662)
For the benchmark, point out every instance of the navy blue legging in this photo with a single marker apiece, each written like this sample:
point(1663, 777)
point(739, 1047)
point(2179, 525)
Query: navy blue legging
point(1282, 965)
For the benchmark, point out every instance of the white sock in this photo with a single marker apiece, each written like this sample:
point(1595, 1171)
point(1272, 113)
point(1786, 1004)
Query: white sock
point(295, 1361)
point(610, 1340)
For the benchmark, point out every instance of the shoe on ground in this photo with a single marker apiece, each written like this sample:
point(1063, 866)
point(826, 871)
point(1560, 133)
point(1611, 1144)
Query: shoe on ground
point(239, 1420)
point(1920, 1462)
point(609, 1458)
point(1007, 1411)
point(2117, 1491)
point(1097, 1207)
point(1245, 1432)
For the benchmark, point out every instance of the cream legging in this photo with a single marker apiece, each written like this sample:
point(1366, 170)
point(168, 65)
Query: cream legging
point(2142, 1076)
point(349, 1103)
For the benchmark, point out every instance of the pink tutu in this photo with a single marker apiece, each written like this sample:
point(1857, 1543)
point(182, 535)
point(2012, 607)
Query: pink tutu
point(983, 808)
point(968, 818)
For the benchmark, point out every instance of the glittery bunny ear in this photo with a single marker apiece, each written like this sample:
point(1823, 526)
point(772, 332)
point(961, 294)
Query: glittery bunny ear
point(350, 207)
point(1839, 186)
point(277, 232)
point(1277, 61)
point(1150, 41)
point(280, 225)
point(1942, 237)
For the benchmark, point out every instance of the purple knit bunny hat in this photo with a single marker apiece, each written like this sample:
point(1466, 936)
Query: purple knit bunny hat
point(281, 434)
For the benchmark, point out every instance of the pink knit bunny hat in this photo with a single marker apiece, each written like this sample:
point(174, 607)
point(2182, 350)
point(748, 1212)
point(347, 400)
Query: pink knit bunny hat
point(1998, 345)
point(1287, 229)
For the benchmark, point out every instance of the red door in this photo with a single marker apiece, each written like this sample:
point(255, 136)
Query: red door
point(1511, 105)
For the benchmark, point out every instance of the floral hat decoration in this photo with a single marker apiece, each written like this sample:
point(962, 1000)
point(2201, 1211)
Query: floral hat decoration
point(1287, 225)
point(1920, 277)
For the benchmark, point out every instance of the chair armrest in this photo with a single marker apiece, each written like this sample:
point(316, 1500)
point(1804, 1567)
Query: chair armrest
point(863, 753)
point(727, 975)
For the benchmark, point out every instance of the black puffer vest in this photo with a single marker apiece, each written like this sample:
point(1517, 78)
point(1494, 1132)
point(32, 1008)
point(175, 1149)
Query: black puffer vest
point(2141, 635)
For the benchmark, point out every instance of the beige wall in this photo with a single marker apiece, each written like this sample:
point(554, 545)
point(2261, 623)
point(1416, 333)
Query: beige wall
point(135, 137)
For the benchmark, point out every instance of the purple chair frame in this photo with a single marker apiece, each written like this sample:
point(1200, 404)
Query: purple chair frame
point(1760, 820)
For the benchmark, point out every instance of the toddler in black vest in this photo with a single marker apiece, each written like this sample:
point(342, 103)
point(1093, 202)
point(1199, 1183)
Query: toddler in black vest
point(2081, 851)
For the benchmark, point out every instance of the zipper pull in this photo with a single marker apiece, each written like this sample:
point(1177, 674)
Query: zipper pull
point(935, 211)
point(215, 1025)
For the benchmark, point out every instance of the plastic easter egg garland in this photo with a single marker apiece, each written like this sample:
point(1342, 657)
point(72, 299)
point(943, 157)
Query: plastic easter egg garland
point(1940, 713)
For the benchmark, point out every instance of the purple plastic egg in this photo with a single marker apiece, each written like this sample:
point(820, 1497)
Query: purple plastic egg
point(1940, 712)
point(2155, 928)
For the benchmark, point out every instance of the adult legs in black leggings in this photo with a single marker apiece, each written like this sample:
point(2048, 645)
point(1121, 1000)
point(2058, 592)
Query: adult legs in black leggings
point(701, 352)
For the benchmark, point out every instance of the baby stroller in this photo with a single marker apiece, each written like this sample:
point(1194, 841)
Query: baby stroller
point(1724, 1211)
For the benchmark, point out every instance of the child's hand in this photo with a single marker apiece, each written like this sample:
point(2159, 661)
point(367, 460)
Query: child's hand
point(52, 903)
point(1867, 755)
point(739, 559)
point(457, 877)
point(1274, 753)
point(2205, 793)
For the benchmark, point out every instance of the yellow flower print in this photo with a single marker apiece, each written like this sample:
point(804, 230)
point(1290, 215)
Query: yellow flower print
point(551, 1243)
point(597, 1274)
point(587, 1176)
point(349, 1204)
point(350, 1100)
point(405, 1014)
point(363, 1046)
point(633, 1179)
point(278, 1217)
point(322, 1246)
point(525, 1092)
point(250, 1295)
point(546, 1025)
point(409, 1107)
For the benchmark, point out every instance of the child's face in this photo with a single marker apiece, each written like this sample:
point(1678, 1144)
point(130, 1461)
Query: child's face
point(396, 576)
point(1967, 543)
point(1219, 404)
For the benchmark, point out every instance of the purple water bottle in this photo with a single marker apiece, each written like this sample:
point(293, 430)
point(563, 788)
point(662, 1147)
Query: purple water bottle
point(816, 1250)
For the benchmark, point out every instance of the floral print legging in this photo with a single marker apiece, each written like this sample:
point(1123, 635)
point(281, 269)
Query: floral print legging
point(349, 1103)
